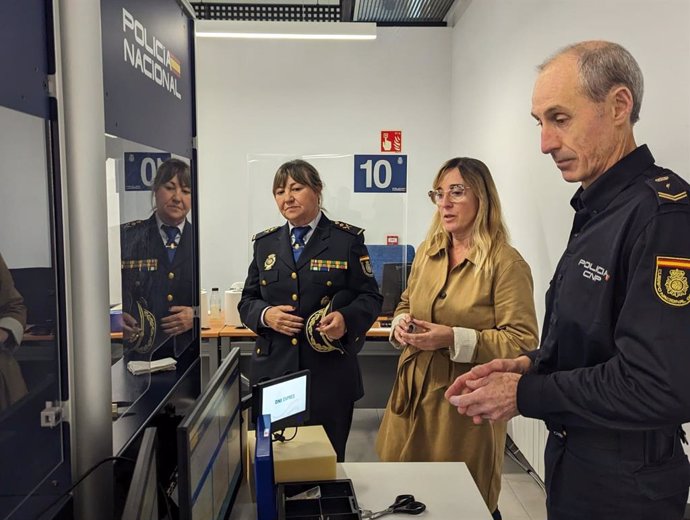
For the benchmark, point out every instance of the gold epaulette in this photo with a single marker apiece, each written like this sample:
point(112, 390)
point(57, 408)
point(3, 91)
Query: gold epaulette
point(265, 232)
point(669, 189)
point(133, 223)
point(348, 227)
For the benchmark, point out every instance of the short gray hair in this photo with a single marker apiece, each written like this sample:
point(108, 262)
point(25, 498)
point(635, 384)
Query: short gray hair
point(602, 66)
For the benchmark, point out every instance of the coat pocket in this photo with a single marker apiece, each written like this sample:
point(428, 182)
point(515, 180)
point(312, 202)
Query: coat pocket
point(262, 346)
point(663, 481)
point(268, 277)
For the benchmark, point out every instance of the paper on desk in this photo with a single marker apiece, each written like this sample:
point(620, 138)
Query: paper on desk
point(146, 367)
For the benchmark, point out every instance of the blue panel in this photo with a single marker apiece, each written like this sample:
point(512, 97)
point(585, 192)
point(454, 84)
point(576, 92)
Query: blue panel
point(140, 169)
point(383, 254)
point(148, 73)
point(24, 56)
point(380, 173)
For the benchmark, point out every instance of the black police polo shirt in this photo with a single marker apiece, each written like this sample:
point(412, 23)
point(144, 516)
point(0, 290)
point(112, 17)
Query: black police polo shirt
point(615, 346)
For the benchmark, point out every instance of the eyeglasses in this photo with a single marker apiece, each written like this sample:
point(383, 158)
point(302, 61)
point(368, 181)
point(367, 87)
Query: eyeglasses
point(455, 194)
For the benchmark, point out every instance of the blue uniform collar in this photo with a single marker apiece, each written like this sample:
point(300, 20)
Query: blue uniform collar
point(613, 181)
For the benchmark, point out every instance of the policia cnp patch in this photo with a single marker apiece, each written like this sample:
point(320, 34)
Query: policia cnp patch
point(671, 280)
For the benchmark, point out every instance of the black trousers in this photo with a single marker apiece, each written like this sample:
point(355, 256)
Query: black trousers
point(336, 420)
point(605, 475)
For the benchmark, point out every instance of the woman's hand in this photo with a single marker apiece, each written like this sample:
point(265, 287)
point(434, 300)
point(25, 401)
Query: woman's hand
point(402, 327)
point(332, 325)
point(279, 319)
point(180, 320)
point(130, 327)
point(426, 335)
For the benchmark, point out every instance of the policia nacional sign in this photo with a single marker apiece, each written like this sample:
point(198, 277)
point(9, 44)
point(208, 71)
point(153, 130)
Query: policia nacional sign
point(148, 73)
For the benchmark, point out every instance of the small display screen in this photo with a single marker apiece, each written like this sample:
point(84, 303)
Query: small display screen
point(285, 399)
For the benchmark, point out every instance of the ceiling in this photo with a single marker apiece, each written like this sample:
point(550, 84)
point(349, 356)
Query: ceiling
point(382, 12)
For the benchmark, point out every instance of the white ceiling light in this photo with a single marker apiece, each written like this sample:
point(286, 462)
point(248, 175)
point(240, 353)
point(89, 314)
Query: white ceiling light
point(285, 30)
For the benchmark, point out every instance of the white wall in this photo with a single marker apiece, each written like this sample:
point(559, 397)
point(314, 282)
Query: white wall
point(24, 207)
point(496, 46)
point(301, 98)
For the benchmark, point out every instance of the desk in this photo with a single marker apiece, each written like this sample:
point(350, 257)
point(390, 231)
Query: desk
point(378, 361)
point(446, 488)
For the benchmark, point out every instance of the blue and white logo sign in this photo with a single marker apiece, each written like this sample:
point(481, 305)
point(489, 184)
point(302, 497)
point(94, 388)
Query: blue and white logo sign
point(140, 169)
point(380, 173)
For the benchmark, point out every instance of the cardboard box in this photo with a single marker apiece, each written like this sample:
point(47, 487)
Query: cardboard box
point(309, 456)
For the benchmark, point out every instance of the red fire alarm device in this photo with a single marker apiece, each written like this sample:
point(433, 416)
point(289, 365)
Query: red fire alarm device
point(392, 240)
point(391, 141)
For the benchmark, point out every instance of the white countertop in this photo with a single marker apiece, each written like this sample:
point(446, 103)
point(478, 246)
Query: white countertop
point(446, 488)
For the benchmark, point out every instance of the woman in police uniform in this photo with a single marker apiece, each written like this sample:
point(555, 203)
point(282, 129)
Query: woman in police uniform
point(157, 276)
point(297, 270)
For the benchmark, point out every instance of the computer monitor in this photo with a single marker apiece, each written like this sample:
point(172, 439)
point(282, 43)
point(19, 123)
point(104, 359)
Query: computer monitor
point(394, 282)
point(37, 287)
point(209, 447)
point(285, 399)
point(142, 498)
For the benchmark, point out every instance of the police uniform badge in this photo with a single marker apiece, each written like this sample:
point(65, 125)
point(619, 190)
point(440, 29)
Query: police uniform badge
point(365, 262)
point(671, 280)
point(270, 261)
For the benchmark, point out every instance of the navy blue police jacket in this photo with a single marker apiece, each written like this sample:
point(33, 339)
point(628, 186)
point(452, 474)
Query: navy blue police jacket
point(274, 278)
point(151, 284)
point(615, 347)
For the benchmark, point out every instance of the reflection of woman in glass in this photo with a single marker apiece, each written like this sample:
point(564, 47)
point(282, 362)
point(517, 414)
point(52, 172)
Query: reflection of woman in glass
point(157, 266)
point(12, 323)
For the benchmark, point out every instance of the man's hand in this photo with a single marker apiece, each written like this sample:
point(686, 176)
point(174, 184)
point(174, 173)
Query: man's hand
point(426, 335)
point(493, 397)
point(180, 320)
point(518, 365)
point(332, 325)
point(489, 391)
point(3, 336)
point(279, 319)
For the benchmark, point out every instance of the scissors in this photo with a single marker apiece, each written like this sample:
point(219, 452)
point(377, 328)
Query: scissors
point(404, 504)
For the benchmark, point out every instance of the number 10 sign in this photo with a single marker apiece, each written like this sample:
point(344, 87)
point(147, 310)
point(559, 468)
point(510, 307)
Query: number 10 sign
point(380, 173)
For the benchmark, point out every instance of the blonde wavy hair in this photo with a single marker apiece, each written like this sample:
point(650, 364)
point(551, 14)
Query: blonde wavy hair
point(489, 231)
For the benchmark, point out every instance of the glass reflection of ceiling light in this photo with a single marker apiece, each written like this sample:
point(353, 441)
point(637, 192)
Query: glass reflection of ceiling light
point(286, 30)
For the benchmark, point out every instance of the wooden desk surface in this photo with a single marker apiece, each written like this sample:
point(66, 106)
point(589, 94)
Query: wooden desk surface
point(229, 331)
point(205, 333)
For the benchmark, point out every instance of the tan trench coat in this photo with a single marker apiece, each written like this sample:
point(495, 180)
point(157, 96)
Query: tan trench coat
point(419, 424)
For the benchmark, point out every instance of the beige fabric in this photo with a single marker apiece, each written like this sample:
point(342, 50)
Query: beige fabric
point(419, 424)
point(12, 385)
point(12, 309)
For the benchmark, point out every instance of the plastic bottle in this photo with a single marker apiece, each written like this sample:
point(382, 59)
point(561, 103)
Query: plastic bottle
point(216, 317)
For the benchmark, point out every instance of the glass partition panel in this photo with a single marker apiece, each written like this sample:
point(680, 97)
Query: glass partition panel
point(152, 259)
point(29, 325)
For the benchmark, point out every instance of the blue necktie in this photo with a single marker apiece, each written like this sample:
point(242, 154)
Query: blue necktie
point(171, 232)
point(298, 234)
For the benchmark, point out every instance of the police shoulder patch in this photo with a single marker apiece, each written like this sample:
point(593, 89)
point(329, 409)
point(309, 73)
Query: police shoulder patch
point(671, 280)
point(265, 232)
point(669, 188)
point(348, 227)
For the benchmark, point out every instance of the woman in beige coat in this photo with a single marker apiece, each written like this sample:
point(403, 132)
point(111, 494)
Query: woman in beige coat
point(469, 300)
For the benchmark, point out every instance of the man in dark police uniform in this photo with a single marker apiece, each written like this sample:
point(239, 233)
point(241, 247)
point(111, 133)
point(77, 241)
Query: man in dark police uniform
point(612, 377)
